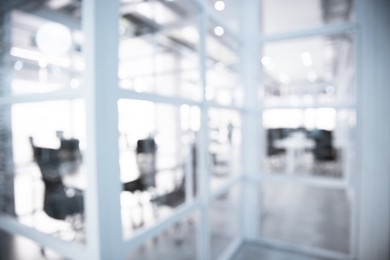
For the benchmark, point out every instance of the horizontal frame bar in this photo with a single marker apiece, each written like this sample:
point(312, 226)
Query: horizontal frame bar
point(213, 104)
point(321, 31)
point(225, 187)
point(231, 250)
point(42, 97)
point(144, 235)
point(304, 106)
point(317, 181)
point(307, 250)
point(68, 249)
point(143, 96)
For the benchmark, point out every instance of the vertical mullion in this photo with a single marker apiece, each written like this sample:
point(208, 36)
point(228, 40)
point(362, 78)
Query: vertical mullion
point(103, 222)
point(373, 130)
point(251, 118)
point(351, 171)
point(7, 196)
point(203, 236)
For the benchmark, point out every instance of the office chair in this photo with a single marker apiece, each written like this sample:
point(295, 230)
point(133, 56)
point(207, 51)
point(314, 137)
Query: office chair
point(324, 153)
point(177, 196)
point(275, 155)
point(146, 162)
point(60, 201)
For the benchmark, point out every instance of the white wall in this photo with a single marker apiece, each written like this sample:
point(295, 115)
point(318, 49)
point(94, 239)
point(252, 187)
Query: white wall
point(374, 131)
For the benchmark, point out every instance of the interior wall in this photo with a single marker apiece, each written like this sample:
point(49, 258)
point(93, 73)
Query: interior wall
point(374, 106)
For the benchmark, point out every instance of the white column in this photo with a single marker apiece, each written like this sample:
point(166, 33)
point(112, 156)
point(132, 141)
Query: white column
point(251, 118)
point(374, 129)
point(103, 222)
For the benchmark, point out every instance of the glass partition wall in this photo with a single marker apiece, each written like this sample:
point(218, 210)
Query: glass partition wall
point(43, 123)
point(182, 128)
point(121, 130)
point(179, 127)
point(308, 116)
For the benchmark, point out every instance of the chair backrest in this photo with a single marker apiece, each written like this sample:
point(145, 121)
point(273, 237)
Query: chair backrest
point(323, 150)
point(146, 161)
point(51, 161)
point(57, 203)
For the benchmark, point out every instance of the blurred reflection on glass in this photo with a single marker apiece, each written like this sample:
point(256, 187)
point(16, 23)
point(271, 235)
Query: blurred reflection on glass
point(222, 78)
point(225, 145)
point(225, 221)
point(48, 143)
point(41, 46)
point(156, 157)
point(305, 215)
point(309, 141)
point(318, 70)
point(176, 242)
point(280, 16)
point(158, 48)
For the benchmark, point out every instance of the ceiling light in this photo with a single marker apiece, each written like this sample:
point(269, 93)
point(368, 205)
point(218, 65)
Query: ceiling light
point(190, 33)
point(268, 63)
point(219, 31)
point(312, 76)
point(284, 78)
point(155, 11)
point(53, 39)
point(58, 4)
point(306, 59)
point(18, 65)
point(219, 5)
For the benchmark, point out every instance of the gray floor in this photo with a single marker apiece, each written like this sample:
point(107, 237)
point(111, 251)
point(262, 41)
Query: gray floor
point(18, 248)
point(255, 252)
point(309, 216)
point(291, 213)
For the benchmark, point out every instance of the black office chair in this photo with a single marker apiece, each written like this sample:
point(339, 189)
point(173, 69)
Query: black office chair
point(275, 155)
point(60, 201)
point(324, 152)
point(176, 197)
point(146, 162)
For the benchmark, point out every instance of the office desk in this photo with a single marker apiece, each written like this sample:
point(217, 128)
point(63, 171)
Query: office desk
point(295, 146)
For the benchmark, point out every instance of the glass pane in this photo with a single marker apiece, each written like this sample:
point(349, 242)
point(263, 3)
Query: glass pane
point(158, 48)
point(224, 145)
point(280, 16)
point(223, 83)
point(227, 10)
point(177, 242)
point(155, 159)
point(311, 71)
point(224, 221)
point(306, 215)
point(46, 154)
point(41, 47)
point(314, 142)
